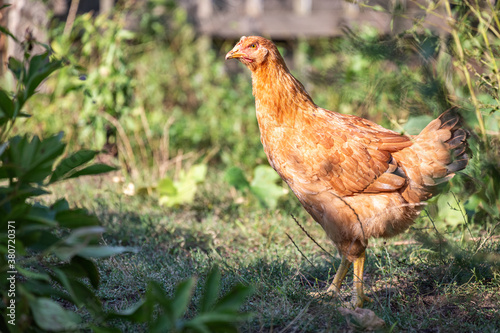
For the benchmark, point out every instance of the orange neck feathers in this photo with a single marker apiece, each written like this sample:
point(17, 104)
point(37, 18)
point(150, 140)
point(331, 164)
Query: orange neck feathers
point(279, 96)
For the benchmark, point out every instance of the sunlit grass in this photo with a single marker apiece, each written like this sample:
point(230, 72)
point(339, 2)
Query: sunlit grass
point(415, 286)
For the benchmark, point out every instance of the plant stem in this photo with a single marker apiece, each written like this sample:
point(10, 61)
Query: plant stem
point(465, 70)
point(71, 16)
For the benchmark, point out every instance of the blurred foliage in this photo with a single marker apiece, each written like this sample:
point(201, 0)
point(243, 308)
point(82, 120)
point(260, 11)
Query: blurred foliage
point(213, 315)
point(46, 252)
point(152, 92)
point(48, 277)
point(263, 185)
point(183, 190)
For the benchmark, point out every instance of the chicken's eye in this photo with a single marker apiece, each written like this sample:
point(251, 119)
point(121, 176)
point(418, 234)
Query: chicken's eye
point(253, 46)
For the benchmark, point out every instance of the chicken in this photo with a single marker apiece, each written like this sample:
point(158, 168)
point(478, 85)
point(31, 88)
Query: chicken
point(355, 178)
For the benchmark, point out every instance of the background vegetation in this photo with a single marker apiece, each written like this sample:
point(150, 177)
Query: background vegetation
point(194, 190)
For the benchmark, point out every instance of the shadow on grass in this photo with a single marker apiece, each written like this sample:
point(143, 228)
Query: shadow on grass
point(449, 290)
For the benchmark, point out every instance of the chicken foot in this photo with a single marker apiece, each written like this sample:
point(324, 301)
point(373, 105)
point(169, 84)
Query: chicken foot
point(334, 288)
point(342, 271)
point(360, 297)
point(345, 264)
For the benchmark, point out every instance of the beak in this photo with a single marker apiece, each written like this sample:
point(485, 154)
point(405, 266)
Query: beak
point(234, 53)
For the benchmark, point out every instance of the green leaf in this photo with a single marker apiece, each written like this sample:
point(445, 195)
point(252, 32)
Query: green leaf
point(264, 186)
point(31, 160)
point(76, 235)
point(94, 169)
point(86, 296)
point(234, 298)
point(104, 251)
point(184, 190)
point(80, 294)
point(51, 317)
point(5, 30)
point(60, 205)
point(217, 320)
point(143, 310)
point(264, 174)
point(41, 214)
point(89, 268)
point(77, 243)
point(42, 288)
point(45, 240)
point(155, 292)
point(16, 67)
point(40, 67)
point(33, 275)
point(80, 267)
point(185, 193)
point(182, 297)
point(211, 291)
point(139, 312)
point(197, 173)
point(63, 279)
point(23, 115)
point(378, 8)
point(6, 105)
point(76, 218)
point(163, 324)
point(166, 187)
point(69, 164)
point(18, 192)
point(236, 177)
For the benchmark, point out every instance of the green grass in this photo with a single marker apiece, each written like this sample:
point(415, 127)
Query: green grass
point(414, 287)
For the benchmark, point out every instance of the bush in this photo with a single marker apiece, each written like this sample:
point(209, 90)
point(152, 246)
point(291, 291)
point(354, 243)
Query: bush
point(48, 277)
point(45, 250)
point(151, 91)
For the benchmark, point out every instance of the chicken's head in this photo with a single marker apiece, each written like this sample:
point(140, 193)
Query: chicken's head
point(251, 51)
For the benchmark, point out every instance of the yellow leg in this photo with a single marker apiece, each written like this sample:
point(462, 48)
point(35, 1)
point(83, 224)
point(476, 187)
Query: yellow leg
point(340, 275)
point(360, 298)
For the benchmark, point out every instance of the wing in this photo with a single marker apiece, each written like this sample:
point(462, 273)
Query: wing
point(344, 154)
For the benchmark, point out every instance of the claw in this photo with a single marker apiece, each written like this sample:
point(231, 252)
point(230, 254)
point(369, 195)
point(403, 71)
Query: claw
point(359, 300)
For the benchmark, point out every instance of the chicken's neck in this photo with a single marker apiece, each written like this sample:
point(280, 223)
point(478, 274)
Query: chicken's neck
point(279, 97)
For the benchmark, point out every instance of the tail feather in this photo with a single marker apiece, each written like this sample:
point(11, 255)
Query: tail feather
point(457, 144)
point(449, 119)
point(441, 149)
point(458, 165)
point(459, 137)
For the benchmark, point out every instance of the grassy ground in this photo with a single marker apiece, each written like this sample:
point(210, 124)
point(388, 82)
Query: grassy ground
point(425, 288)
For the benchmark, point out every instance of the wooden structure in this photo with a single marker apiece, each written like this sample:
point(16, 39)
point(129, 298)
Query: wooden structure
point(32, 16)
point(284, 19)
point(278, 19)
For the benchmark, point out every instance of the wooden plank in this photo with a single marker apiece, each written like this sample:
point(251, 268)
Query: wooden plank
point(287, 25)
point(307, 18)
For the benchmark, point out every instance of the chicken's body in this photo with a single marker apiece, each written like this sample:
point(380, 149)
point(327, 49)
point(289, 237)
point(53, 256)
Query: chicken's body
point(355, 178)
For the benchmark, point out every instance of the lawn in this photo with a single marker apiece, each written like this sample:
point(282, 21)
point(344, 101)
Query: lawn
point(416, 282)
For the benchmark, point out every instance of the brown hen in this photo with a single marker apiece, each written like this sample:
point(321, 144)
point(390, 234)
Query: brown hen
point(355, 178)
